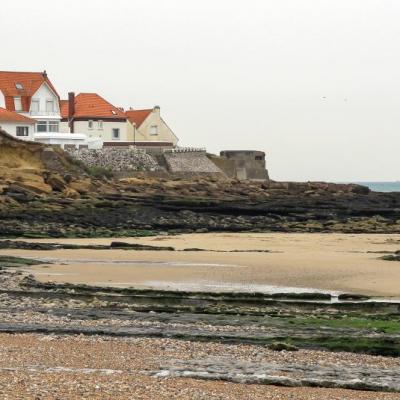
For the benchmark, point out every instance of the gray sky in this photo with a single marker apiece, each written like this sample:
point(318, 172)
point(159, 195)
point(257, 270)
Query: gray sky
point(314, 83)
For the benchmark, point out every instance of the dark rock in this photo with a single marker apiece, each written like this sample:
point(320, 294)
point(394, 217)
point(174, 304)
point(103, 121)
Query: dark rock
point(135, 246)
point(56, 182)
point(280, 346)
point(352, 296)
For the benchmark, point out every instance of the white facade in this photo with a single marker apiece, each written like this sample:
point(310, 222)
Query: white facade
point(107, 131)
point(2, 100)
point(20, 130)
point(45, 108)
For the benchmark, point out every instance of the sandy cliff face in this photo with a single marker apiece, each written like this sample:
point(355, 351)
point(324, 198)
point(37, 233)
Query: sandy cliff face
point(30, 168)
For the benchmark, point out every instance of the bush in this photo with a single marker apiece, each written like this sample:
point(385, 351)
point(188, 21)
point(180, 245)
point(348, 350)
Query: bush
point(99, 172)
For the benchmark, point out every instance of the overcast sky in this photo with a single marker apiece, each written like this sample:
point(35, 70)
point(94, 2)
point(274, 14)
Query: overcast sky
point(313, 83)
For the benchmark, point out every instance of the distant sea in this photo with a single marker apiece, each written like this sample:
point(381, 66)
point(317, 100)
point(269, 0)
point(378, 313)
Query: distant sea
point(382, 186)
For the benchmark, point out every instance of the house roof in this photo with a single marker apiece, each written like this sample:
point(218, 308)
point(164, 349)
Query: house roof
point(11, 116)
point(138, 116)
point(23, 83)
point(91, 105)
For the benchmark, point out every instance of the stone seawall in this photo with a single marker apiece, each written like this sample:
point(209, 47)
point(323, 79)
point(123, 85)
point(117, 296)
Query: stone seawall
point(126, 162)
point(121, 160)
point(190, 162)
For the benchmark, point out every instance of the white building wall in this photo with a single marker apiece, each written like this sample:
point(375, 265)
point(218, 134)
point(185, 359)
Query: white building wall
point(43, 94)
point(64, 127)
point(2, 100)
point(106, 133)
point(11, 129)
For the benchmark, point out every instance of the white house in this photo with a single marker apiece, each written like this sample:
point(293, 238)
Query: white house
point(16, 124)
point(92, 115)
point(31, 94)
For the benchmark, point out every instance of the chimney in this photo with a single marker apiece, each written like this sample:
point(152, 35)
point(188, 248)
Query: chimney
point(156, 109)
point(44, 74)
point(71, 110)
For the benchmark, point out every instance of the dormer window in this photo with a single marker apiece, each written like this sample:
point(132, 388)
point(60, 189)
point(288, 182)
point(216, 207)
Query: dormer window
point(17, 104)
point(113, 112)
point(19, 86)
point(35, 105)
point(49, 105)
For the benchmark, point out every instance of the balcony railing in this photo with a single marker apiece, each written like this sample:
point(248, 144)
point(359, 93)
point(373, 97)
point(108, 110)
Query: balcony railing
point(44, 113)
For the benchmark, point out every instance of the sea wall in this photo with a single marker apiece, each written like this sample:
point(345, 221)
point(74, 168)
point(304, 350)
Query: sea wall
point(120, 160)
point(191, 163)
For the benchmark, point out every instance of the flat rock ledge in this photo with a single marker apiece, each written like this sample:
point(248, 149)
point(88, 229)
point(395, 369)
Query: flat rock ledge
point(292, 375)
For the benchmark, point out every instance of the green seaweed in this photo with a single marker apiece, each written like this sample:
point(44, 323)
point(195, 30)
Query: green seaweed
point(380, 325)
point(10, 262)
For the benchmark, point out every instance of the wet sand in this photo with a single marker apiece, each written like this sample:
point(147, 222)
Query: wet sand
point(329, 262)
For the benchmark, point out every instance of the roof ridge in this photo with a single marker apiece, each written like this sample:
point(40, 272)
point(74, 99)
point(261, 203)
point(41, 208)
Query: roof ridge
point(23, 72)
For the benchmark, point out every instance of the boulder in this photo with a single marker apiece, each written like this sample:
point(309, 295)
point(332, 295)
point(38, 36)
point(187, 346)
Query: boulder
point(30, 188)
point(56, 182)
point(82, 186)
point(70, 193)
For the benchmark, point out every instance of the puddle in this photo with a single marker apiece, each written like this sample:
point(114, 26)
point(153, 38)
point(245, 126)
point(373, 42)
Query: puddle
point(137, 262)
point(233, 287)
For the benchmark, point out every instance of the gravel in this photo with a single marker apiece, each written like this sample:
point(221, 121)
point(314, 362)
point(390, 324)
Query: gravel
point(51, 367)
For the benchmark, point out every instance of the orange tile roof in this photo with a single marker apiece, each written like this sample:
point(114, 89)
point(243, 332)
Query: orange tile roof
point(11, 116)
point(30, 82)
point(64, 108)
point(91, 105)
point(138, 116)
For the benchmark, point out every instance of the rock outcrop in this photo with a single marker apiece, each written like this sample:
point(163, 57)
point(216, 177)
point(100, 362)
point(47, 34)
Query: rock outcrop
point(31, 169)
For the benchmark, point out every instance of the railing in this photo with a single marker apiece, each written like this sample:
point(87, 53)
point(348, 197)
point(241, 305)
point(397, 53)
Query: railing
point(186, 150)
point(44, 113)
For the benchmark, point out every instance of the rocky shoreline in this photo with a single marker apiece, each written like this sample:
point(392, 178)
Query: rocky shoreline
point(140, 207)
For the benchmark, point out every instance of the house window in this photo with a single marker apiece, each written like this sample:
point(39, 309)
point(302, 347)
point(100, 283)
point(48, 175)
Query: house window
point(115, 133)
point(19, 86)
point(22, 131)
point(153, 130)
point(49, 106)
point(17, 103)
point(90, 124)
point(100, 125)
point(35, 105)
point(259, 158)
point(53, 126)
point(41, 126)
point(47, 126)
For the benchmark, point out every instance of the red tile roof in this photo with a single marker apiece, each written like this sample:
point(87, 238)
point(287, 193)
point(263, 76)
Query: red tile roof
point(91, 105)
point(138, 116)
point(23, 84)
point(64, 108)
point(11, 116)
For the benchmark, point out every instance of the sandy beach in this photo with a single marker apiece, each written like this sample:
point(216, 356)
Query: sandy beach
point(328, 262)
